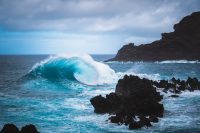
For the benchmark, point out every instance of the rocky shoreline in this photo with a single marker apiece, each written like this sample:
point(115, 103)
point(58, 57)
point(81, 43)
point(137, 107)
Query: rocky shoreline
point(137, 103)
point(181, 44)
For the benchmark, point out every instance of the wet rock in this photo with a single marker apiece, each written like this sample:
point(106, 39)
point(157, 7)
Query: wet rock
point(136, 88)
point(165, 90)
point(29, 129)
point(128, 119)
point(193, 83)
point(145, 121)
point(118, 118)
point(182, 86)
point(153, 119)
point(9, 128)
point(175, 81)
point(101, 104)
point(174, 96)
point(133, 97)
point(114, 101)
point(115, 119)
point(177, 86)
point(135, 125)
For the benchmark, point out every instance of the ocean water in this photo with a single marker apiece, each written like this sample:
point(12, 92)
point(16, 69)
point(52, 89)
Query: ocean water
point(53, 92)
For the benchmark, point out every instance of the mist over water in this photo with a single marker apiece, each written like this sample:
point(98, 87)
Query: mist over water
point(54, 92)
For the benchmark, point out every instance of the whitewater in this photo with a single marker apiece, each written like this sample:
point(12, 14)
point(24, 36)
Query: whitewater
point(53, 92)
point(78, 67)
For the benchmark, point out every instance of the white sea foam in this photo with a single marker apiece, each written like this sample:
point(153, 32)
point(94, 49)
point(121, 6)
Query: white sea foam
point(159, 62)
point(177, 61)
point(92, 93)
point(190, 94)
point(75, 103)
point(124, 62)
point(141, 75)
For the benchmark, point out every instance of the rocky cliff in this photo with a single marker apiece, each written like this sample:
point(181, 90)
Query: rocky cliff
point(181, 44)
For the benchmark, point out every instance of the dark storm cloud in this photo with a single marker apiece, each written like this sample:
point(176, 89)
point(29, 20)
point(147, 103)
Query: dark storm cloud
point(132, 16)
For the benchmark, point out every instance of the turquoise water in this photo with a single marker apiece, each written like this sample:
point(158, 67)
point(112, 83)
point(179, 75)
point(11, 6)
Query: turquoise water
point(54, 92)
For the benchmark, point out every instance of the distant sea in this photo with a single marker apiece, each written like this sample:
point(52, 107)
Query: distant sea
point(53, 92)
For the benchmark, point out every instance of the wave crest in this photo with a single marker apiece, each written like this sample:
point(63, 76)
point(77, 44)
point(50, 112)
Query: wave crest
point(76, 67)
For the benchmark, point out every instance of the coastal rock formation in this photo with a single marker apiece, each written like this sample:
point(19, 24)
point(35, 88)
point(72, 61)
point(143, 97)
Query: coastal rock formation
point(11, 128)
point(136, 101)
point(176, 86)
point(182, 44)
point(29, 129)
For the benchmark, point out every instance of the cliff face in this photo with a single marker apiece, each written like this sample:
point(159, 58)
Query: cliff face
point(182, 44)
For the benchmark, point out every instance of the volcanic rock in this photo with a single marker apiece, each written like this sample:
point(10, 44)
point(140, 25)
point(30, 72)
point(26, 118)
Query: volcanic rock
point(133, 97)
point(11, 128)
point(136, 101)
point(181, 44)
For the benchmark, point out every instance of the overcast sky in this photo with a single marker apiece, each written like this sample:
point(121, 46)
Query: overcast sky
point(91, 26)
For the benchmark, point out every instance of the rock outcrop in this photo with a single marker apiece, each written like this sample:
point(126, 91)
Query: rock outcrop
point(182, 44)
point(176, 86)
point(136, 101)
point(11, 128)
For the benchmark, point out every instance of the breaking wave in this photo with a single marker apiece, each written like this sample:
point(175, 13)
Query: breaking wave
point(76, 67)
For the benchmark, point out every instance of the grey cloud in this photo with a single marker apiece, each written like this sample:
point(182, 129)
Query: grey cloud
point(94, 16)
